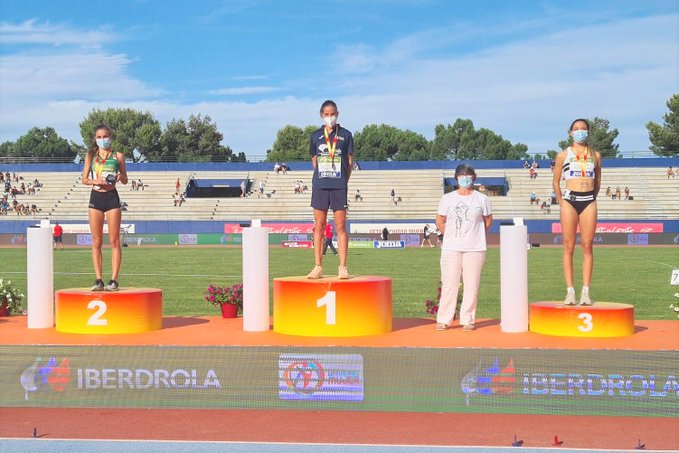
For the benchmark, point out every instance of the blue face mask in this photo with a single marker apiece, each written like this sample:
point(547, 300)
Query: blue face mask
point(104, 143)
point(465, 181)
point(580, 136)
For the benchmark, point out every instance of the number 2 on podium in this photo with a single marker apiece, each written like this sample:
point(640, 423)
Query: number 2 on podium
point(329, 300)
point(96, 318)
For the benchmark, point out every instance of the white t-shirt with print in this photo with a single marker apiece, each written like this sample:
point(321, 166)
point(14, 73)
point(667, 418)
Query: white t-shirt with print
point(465, 228)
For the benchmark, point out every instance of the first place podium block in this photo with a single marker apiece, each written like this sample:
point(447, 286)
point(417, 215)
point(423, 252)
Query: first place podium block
point(330, 307)
point(131, 310)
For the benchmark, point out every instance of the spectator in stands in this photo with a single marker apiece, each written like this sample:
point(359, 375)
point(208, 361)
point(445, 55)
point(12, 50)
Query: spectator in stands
point(104, 168)
point(358, 196)
point(551, 166)
point(626, 193)
point(385, 234)
point(23, 188)
point(140, 184)
point(526, 164)
point(581, 167)
point(261, 188)
point(464, 216)
point(37, 183)
point(331, 148)
point(328, 240)
point(670, 173)
point(532, 173)
point(608, 191)
point(394, 198)
point(277, 167)
point(533, 198)
point(133, 185)
point(4, 206)
point(177, 185)
point(284, 168)
point(552, 197)
point(534, 164)
point(175, 198)
point(426, 232)
point(58, 236)
point(618, 193)
point(546, 207)
point(243, 186)
point(356, 165)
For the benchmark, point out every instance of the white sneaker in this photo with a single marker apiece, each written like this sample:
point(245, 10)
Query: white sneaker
point(585, 299)
point(570, 299)
point(343, 273)
point(316, 272)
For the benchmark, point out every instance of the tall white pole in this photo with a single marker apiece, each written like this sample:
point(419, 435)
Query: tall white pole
point(255, 279)
point(513, 278)
point(40, 280)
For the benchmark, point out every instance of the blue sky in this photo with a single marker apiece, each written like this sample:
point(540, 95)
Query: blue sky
point(522, 68)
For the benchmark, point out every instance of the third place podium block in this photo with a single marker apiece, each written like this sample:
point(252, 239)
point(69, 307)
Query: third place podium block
point(601, 320)
point(330, 307)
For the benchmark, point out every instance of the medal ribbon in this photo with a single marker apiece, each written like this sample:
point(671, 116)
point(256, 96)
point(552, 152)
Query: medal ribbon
point(583, 162)
point(333, 147)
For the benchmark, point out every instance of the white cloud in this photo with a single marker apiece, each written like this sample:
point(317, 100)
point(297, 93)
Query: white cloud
point(527, 90)
point(32, 32)
point(241, 91)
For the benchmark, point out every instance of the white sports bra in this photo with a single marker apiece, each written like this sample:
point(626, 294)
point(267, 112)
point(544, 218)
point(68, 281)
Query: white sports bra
point(578, 168)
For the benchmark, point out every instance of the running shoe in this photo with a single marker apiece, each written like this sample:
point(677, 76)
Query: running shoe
point(441, 326)
point(112, 285)
point(570, 299)
point(585, 299)
point(343, 273)
point(316, 272)
point(468, 327)
point(98, 285)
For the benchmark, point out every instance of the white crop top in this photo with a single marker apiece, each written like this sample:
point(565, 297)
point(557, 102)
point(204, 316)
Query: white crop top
point(578, 168)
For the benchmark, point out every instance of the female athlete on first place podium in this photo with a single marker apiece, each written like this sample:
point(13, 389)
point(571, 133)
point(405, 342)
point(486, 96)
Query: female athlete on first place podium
point(103, 169)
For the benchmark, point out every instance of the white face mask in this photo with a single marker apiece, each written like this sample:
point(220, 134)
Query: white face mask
point(330, 121)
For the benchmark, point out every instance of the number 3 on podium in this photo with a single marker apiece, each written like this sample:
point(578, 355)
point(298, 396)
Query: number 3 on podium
point(587, 323)
point(329, 300)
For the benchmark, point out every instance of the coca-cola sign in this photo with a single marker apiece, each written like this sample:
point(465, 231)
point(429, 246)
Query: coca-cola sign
point(620, 228)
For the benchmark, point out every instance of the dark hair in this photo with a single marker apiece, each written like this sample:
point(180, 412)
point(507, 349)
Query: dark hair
point(93, 146)
point(464, 169)
point(328, 103)
point(579, 119)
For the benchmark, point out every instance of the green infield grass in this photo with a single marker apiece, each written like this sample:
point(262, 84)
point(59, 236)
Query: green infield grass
point(638, 276)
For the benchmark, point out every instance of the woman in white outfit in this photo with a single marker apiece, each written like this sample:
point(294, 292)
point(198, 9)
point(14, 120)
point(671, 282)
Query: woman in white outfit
point(464, 216)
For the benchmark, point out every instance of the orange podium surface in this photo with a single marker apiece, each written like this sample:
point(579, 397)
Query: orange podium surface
point(601, 320)
point(330, 307)
point(108, 312)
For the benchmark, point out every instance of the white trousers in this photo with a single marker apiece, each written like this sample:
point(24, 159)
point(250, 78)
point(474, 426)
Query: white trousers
point(454, 265)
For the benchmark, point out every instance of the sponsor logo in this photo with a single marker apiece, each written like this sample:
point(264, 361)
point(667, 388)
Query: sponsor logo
point(410, 240)
point(326, 377)
point(46, 377)
point(596, 384)
point(298, 244)
point(55, 376)
point(140, 378)
point(620, 228)
point(389, 244)
point(84, 239)
point(489, 380)
point(188, 239)
point(279, 228)
point(637, 239)
point(361, 244)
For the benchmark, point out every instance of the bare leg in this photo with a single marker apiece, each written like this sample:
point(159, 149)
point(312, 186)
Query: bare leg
point(96, 228)
point(569, 224)
point(113, 218)
point(342, 236)
point(320, 219)
point(588, 219)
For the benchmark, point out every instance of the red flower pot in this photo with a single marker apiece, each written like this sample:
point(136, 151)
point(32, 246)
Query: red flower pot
point(229, 311)
point(4, 310)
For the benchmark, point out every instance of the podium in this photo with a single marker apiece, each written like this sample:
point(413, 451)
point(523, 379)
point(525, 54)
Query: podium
point(330, 307)
point(131, 310)
point(601, 320)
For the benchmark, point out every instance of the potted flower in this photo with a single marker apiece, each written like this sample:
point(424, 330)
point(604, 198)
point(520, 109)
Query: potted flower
point(228, 298)
point(10, 298)
point(431, 306)
point(674, 308)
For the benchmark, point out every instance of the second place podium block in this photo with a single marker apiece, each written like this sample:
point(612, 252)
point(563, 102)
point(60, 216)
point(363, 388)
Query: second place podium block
point(330, 307)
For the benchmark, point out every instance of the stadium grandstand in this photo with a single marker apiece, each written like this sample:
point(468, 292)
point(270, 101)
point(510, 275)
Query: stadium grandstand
point(275, 196)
